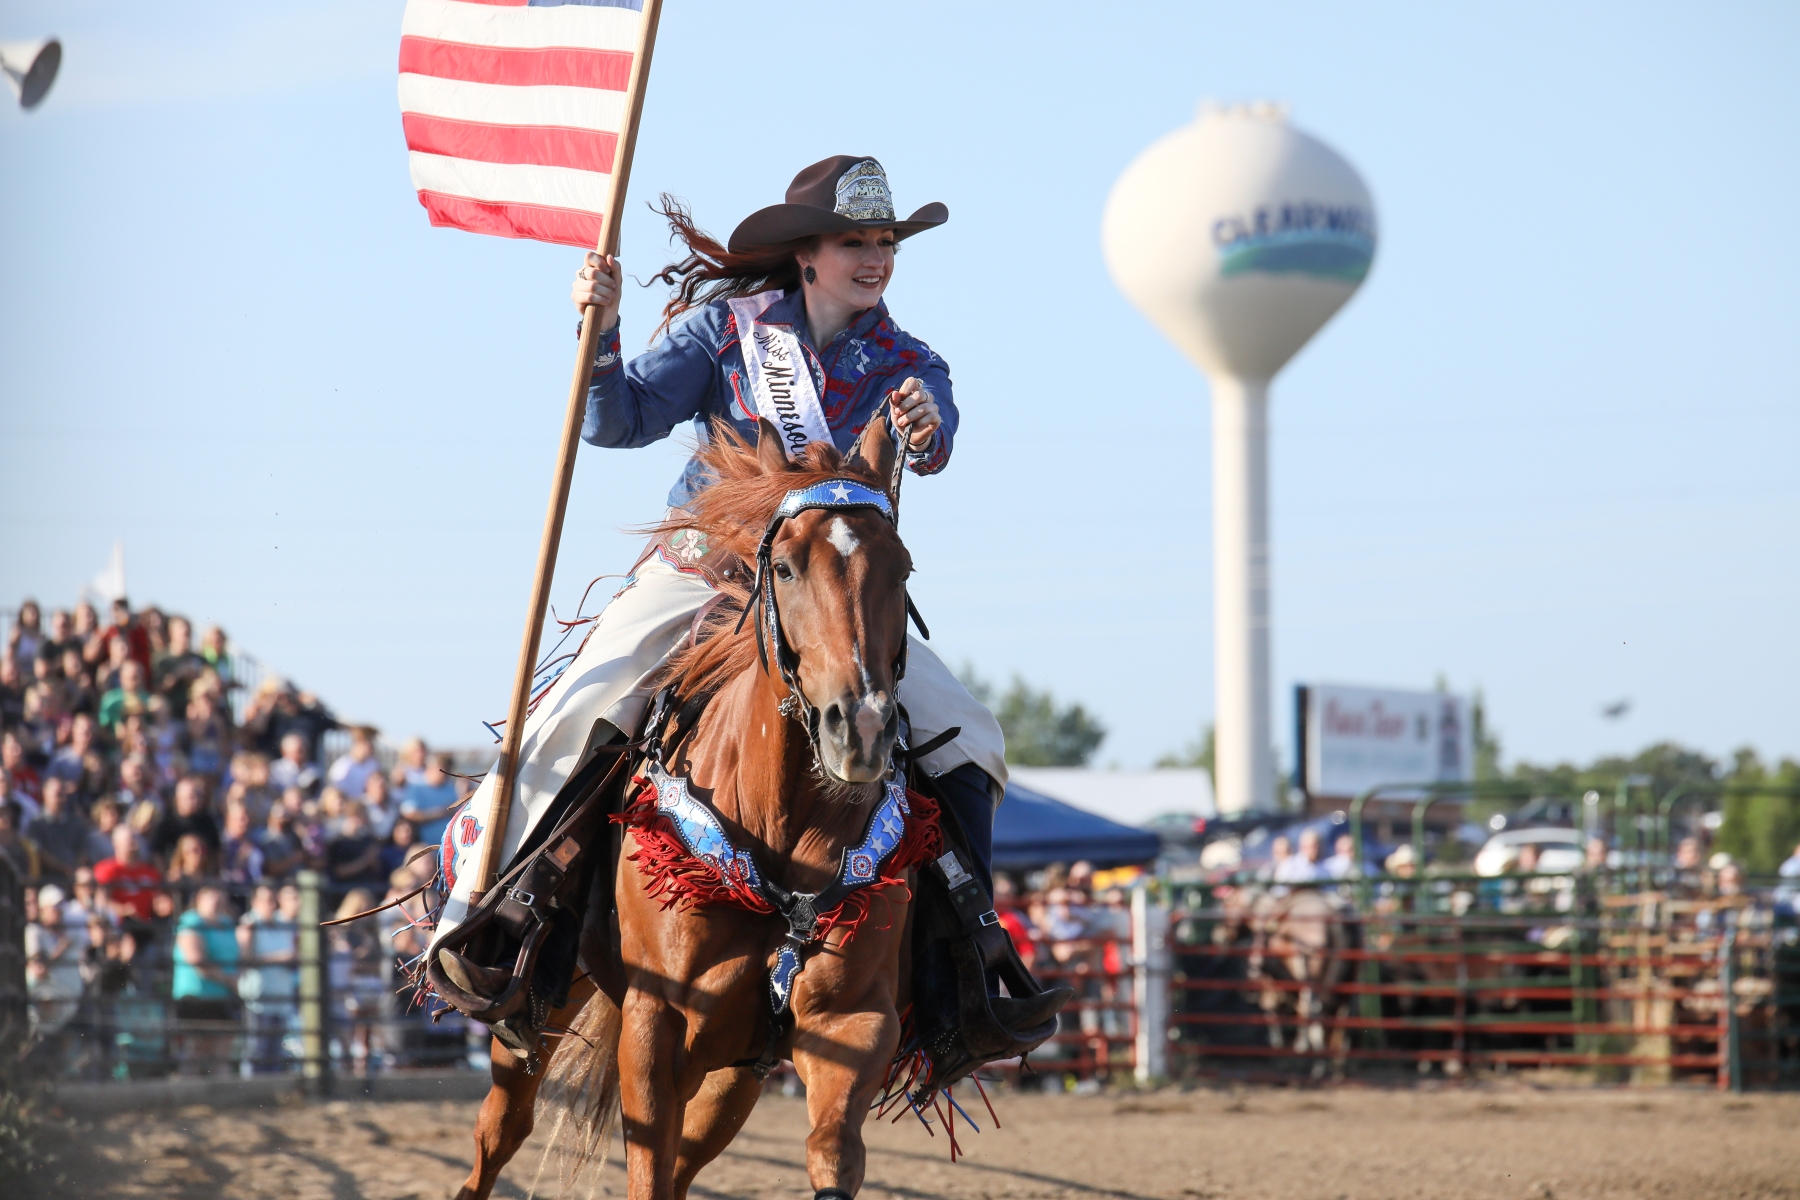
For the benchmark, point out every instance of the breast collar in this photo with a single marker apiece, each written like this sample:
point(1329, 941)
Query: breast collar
point(809, 915)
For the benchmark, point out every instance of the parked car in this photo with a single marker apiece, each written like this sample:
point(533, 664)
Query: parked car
point(1559, 851)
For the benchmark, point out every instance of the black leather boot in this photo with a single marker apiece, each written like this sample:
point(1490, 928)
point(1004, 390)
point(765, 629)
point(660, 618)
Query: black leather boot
point(963, 955)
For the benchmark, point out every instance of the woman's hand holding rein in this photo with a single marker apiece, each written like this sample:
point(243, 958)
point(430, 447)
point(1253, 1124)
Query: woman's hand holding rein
point(916, 413)
point(598, 283)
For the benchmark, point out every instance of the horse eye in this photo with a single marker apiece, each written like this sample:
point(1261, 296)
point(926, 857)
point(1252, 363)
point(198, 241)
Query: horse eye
point(782, 572)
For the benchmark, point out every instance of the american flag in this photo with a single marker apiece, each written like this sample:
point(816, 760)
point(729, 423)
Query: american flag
point(513, 110)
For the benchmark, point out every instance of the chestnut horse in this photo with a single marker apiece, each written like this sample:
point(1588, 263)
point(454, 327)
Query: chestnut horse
point(668, 1016)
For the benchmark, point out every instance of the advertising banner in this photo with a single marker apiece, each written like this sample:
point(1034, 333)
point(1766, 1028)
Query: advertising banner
point(1354, 738)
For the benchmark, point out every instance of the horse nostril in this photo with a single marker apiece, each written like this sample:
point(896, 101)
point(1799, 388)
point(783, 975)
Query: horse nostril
point(834, 716)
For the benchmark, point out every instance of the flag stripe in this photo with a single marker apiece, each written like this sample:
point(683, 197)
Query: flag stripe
point(531, 145)
point(575, 25)
point(509, 183)
point(539, 223)
point(495, 104)
point(551, 66)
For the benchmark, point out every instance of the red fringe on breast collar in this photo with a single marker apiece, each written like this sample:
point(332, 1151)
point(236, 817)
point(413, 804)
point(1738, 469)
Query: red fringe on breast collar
point(680, 878)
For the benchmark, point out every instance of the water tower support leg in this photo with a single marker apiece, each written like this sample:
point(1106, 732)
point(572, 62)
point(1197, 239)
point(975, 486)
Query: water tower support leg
point(1244, 766)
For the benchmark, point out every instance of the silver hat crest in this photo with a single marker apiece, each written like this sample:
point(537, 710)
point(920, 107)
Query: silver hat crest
point(862, 193)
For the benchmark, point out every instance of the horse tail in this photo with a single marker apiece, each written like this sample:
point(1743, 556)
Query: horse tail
point(580, 1094)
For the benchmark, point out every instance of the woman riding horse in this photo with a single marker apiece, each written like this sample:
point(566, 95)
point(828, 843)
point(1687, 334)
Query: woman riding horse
point(801, 283)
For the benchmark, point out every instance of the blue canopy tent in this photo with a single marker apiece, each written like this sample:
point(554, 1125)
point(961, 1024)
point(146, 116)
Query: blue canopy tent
point(1031, 830)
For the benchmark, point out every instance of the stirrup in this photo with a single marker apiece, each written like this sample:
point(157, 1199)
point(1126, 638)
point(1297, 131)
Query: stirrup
point(988, 1027)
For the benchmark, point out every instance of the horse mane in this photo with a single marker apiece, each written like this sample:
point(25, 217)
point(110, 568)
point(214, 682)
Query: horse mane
point(733, 512)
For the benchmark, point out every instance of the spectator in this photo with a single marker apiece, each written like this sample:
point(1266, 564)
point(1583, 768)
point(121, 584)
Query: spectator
point(252, 785)
point(26, 640)
point(1302, 867)
point(429, 802)
point(208, 733)
point(268, 943)
point(127, 699)
point(12, 692)
point(1790, 866)
point(16, 850)
point(354, 855)
point(132, 886)
point(129, 631)
point(62, 937)
point(1006, 906)
point(213, 648)
point(103, 818)
point(175, 671)
point(305, 823)
point(61, 638)
point(294, 769)
point(79, 763)
point(84, 631)
point(240, 858)
point(329, 812)
point(17, 764)
point(59, 833)
point(1527, 863)
point(189, 817)
point(25, 805)
point(205, 983)
point(1342, 863)
point(359, 969)
point(1280, 850)
point(83, 689)
point(53, 1003)
point(350, 773)
point(192, 860)
point(409, 764)
point(402, 843)
point(1593, 854)
point(109, 672)
point(1402, 862)
point(1690, 855)
point(136, 787)
point(378, 805)
point(282, 852)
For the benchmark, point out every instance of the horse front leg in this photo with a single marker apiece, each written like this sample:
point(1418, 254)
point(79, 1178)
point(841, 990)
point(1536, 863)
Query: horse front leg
point(842, 1060)
point(650, 1103)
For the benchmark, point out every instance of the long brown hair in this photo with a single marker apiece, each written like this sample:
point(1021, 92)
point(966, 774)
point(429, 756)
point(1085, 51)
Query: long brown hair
point(711, 272)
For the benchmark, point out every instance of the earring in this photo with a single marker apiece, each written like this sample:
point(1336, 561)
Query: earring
point(810, 275)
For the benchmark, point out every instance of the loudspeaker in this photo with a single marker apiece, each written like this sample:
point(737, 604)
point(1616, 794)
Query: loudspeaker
point(31, 68)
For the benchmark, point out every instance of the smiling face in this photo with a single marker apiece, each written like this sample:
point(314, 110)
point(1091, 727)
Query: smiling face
point(853, 268)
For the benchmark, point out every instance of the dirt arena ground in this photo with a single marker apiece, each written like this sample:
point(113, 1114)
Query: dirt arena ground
point(1511, 1143)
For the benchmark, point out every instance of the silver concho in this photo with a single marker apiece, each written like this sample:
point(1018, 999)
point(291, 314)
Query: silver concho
point(862, 193)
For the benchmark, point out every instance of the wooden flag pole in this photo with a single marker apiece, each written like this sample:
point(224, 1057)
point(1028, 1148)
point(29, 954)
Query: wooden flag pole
point(500, 804)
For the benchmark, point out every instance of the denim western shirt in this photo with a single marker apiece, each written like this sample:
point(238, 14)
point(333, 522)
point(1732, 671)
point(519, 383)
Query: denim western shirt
point(696, 373)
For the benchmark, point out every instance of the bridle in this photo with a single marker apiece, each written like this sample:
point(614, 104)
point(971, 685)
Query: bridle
point(838, 494)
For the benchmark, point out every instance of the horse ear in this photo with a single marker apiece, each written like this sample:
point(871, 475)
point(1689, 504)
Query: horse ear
point(771, 455)
point(874, 451)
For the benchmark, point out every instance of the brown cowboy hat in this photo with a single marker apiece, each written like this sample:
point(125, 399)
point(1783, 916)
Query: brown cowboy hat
point(844, 192)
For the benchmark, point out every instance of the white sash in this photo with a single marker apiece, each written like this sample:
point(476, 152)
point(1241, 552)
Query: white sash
point(780, 381)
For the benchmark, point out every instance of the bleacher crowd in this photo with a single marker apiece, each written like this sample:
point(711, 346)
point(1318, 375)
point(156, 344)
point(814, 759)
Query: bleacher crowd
point(159, 836)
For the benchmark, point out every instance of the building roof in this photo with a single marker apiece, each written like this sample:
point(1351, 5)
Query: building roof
point(1129, 797)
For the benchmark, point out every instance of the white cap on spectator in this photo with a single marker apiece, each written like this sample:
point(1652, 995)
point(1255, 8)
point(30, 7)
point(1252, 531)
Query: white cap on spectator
point(50, 896)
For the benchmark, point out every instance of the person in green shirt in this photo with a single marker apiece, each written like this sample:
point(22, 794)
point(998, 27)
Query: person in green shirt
point(129, 697)
point(205, 984)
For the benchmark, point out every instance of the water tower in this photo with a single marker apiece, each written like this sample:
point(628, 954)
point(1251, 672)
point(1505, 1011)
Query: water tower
point(1239, 236)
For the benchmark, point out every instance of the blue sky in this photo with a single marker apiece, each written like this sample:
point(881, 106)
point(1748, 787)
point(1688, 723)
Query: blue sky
point(1548, 450)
